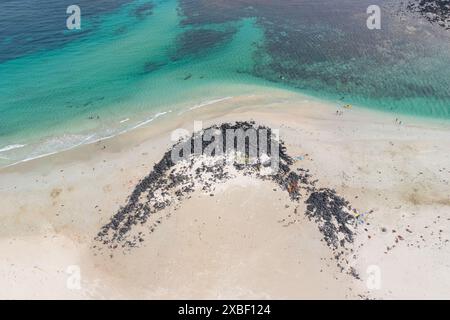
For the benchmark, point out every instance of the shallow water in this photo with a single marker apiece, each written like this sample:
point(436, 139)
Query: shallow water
point(132, 61)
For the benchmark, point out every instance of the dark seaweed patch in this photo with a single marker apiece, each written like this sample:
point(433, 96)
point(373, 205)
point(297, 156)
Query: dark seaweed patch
point(153, 66)
point(324, 46)
point(436, 11)
point(143, 10)
point(197, 41)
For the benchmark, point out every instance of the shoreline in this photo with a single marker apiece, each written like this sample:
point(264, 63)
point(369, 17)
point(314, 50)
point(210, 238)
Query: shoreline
point(182, 109)
point(243, 242)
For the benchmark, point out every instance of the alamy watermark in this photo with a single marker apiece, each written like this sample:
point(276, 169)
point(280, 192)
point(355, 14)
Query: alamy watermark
point(374, 277)
point(247, 145)
point(73, 22)
point(374, 19)
point(73, 281)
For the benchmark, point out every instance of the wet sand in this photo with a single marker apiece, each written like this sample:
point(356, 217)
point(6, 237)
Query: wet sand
point(246, 241)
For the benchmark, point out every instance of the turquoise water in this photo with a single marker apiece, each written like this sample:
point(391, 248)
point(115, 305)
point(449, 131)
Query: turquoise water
point(133, 62)
point(83, 91)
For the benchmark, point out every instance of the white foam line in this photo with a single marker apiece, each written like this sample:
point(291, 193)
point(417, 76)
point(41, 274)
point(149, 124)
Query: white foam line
point(51, 153)
point(124, 120)
point(207, 103)
point(12, 147)
point(34, 158)
point(84, 142)
point(149, 120)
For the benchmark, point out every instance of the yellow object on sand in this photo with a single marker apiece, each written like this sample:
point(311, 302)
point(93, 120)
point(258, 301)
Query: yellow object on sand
point(348, 106)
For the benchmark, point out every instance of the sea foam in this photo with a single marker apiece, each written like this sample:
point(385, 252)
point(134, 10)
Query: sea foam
point(12, 147)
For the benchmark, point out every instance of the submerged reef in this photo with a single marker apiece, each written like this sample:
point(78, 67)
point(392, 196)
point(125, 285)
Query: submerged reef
point(436, 11)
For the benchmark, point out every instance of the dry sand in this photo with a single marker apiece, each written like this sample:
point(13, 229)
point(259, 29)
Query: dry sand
point(244, 242)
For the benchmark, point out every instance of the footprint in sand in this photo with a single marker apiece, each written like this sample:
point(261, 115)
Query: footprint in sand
point(55, 193)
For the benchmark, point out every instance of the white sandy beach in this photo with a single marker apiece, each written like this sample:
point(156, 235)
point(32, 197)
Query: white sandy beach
point(246, 241)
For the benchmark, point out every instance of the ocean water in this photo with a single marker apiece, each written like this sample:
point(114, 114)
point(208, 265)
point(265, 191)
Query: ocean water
point(134, 61)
